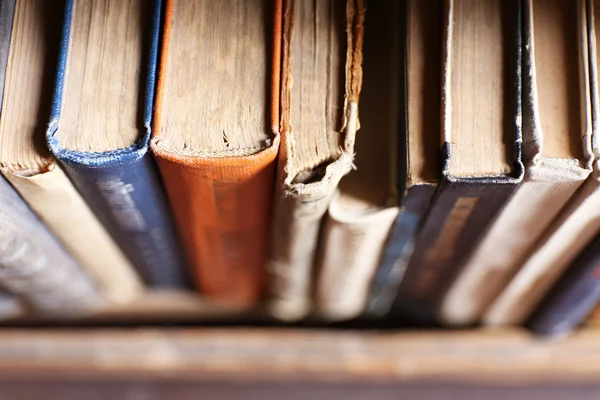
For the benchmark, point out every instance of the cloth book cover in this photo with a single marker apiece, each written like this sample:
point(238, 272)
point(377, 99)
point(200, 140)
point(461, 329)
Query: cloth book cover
point(360, 215)
point(577, 223)
point(369, 230)
point(219, 179)
point(553, 171)
point(120, 184)
point(30, 37)
point(573, 298)
point(418, 149)
point(35, 267)
point(471, 191)
point(315, 152)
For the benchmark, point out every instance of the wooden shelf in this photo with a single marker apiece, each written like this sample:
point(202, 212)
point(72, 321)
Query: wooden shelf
point(292, 355)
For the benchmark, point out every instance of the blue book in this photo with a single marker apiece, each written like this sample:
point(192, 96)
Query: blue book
point(33, 264)
point(469, 195)
point(573, 298)
point(100, 128)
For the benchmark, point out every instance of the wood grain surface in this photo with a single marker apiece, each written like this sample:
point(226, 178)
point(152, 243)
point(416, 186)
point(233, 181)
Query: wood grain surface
point(284, 355)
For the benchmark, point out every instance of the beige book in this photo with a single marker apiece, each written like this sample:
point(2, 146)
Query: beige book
point(27, 164)
point(321, 79)
point(556, 154)
point(577, 224)
point(360, 216)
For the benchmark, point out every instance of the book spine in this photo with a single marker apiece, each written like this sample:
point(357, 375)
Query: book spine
point(7, 12)
point(296, 225)
point(129, 200)
point(52, 196)
point(350, 247)
point(460, 214)
point(222, 207)
point(572, 298)
point(34, 267)
point(10, 306)
point(399, 249)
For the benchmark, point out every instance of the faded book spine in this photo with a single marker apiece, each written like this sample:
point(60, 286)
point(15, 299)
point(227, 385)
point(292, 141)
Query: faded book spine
point(399, 249)
point(52, 196)
point(350, 248)
point(297, 221)
point(34, 267)
point(128, 198)
point(573, 298)
point(122, 186)
point(222, 207)
point(460, 214)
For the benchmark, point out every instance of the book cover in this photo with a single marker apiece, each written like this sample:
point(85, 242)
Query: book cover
point(369, 230)
point(35, 267)
point(572, 298)
point(577, 223)
point(120, 184)
point(481, 148)
point(33, 30)
point(213, 142)
point(556, 153)
point(317, 137)
point(418, 148)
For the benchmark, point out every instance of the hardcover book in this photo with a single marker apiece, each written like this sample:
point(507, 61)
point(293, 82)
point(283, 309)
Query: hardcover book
point(573, 298)
point(481, 146)
point(33, 30)
point(34, 266)
point(100, 128)
point(556, 153)
point(578, 222)
point(418, 168)
point(215, 146)
point(397, 163)
point(321, 78)
point(360, 214)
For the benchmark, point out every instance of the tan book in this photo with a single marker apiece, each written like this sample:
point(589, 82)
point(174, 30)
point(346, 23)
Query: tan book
point(556, 154)
point(577, 224)
point(364, 208)
point(321, 76)
point(28, 165)
point(481, 146)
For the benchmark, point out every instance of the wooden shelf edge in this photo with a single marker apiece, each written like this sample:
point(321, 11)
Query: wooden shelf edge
point(478, 356)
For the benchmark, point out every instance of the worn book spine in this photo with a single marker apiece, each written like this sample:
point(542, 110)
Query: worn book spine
point(547, 187)
point(300, 207)
point(34, 266)
point(463, 208)
point(122, 186)
point(416, 197)
point(222, 206)
point(51, 195)
point(504, 249)
point(461, 212)
point(352, 243)
point(399, 249)
point(351, 249)
point(566, 237)
point(578, 222)
point(572, 298)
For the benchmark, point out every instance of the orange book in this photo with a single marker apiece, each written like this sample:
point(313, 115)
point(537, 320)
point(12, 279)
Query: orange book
point(214, 139)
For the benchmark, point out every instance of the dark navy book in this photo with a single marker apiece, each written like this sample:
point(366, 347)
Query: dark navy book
point(468, 196)
point(100, 128)
point(573, 298)
point(419, 91)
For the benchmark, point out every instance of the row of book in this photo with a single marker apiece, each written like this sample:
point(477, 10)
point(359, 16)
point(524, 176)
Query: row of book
point(435, 159)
